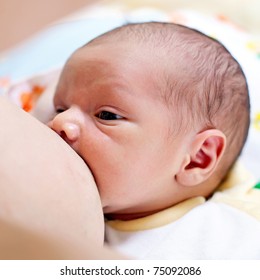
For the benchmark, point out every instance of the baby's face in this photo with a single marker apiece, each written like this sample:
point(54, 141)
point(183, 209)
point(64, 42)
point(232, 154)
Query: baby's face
point(111, 113)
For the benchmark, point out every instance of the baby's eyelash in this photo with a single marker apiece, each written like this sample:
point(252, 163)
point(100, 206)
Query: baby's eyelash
point(59, 110)
point(105, 115)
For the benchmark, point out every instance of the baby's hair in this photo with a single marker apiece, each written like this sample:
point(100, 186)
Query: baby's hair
point(199, 73)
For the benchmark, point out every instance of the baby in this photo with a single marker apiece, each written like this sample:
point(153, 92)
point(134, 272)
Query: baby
point(159, 112)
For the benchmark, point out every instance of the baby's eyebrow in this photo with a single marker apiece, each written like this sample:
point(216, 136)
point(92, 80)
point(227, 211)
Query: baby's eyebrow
point(115, 88)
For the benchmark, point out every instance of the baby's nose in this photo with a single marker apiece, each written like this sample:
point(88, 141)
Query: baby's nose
point(67, 128)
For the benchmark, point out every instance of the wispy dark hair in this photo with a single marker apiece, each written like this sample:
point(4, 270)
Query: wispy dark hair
point(203, 83)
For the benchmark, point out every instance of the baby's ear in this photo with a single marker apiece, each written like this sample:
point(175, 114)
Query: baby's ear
point(206, 150)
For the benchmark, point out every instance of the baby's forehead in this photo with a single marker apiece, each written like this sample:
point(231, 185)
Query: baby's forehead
point(121, 56)
point(124, 71)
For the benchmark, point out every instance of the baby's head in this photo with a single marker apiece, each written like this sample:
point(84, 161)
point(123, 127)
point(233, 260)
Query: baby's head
point(158, 111)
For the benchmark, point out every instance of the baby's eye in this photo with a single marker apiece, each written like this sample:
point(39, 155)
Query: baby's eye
point(59, 110)
point(105, 115)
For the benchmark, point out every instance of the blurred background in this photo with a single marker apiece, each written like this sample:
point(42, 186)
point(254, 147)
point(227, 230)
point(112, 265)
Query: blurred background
point(20, 19)
point(243, 12)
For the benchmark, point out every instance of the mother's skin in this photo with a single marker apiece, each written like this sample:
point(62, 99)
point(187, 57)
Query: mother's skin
point(49, 203)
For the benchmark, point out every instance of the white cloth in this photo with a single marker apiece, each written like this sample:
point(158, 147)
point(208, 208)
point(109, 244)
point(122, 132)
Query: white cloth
point(210, 231)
